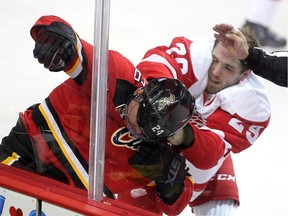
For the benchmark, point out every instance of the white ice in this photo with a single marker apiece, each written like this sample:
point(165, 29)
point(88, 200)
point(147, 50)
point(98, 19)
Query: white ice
point(135, 27)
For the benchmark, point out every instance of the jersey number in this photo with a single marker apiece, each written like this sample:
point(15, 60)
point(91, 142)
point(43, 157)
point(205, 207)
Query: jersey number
point(157, 129)
point(181, 51)
point(252, 133)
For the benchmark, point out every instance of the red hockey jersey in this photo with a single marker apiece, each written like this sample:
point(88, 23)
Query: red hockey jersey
point(60, 128)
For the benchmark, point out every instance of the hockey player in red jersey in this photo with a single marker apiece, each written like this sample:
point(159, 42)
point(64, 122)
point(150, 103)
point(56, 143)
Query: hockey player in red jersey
point(231, 104)
point(52, 138)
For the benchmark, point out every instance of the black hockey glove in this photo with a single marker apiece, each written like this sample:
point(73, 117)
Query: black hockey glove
point(55, 46)
point(159, 162)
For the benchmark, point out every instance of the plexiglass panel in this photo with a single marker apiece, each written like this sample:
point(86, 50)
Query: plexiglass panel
point(59, 128)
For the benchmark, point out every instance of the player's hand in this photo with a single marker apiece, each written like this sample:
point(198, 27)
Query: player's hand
point(171, 184)
point(183, 138)
point(55, 46)
point(149, 161)
point(177, 138)
point(232, 38)
point(159, 162)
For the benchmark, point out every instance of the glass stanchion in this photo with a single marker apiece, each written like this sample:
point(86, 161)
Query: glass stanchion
point(98, 100)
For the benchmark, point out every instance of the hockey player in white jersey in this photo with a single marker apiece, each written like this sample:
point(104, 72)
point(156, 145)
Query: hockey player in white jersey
point(232, 104)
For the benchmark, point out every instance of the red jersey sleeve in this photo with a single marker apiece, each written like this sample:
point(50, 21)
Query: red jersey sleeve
point(172, 62)
point(45, 21)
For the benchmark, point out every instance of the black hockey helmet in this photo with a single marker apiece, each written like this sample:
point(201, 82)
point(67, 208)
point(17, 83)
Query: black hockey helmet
point(166, 106)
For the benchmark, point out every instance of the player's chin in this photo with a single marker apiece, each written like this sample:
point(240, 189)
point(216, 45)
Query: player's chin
point(213, 88)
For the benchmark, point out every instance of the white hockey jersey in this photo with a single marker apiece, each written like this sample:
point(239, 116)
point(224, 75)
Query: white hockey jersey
point(230, 120)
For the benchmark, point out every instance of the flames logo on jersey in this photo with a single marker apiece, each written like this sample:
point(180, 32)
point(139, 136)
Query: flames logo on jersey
point(123, 138)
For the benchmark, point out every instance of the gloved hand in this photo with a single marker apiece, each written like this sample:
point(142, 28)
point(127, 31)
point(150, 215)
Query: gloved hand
point(55, 46)
point(171, 185)
point(159, 162)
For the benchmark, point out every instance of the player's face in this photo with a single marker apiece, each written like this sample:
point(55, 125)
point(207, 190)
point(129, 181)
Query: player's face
point(130, 117)
point(224, 71)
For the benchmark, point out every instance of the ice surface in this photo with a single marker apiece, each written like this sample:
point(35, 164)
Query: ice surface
point(135, 27)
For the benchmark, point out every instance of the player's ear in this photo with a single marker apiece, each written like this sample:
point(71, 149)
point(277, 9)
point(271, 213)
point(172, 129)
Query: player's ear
point(245, 74)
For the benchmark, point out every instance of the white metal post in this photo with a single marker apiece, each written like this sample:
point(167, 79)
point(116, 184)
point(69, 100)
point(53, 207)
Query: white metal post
point(98, 100)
